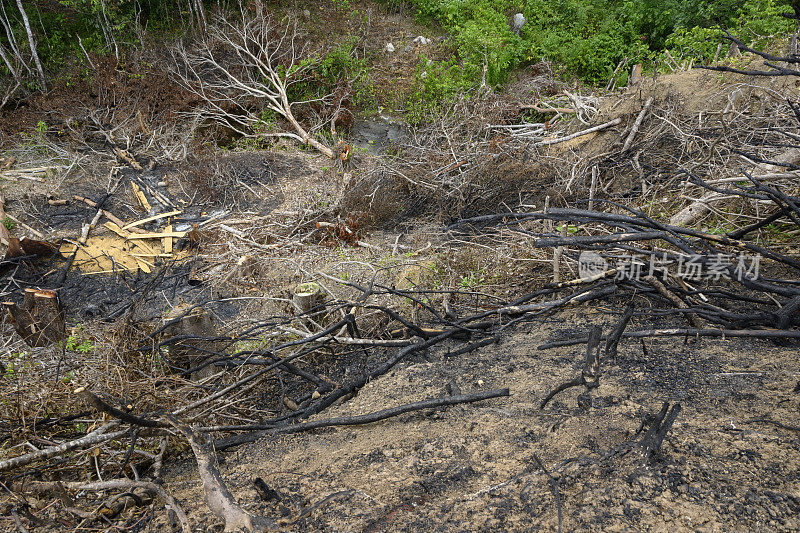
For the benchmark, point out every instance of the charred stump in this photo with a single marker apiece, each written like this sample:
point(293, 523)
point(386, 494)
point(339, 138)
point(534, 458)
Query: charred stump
point(40, 319)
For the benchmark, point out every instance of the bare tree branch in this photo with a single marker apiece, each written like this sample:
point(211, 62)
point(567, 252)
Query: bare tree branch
point(245, 66)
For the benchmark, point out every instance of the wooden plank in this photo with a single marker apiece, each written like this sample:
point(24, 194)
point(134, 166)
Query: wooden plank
point(120, 223)
point(150, 219)
point(168, 240)
point(143, 245)
point(141, 197)
point(116, 229)
point(173, 234)
point(143, 265)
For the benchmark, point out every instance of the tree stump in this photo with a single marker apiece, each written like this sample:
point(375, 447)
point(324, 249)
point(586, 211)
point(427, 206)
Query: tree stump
point(307, 297)
point(40, 320)
point(196, 331)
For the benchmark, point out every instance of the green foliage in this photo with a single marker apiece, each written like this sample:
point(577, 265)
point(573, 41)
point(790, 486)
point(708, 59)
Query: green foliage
point(76, 343)
point(435, 83)
point(343, 6)
point(762, 18)
point(589, 37)
point(8, 223)
point(17, 365)
point(59, 24)
point(318, 75)
point(473, 279)
point(755, 23)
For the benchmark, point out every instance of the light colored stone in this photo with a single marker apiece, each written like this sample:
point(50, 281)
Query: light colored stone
point(389, 48)
point(518, 23)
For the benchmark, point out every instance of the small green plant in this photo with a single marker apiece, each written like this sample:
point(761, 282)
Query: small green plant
point(75, 343)
point(8, 223)
point(474, 279)
point(570, 229)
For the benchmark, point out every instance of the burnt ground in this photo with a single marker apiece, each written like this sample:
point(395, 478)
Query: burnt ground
point(472, 467)
point(469, 467)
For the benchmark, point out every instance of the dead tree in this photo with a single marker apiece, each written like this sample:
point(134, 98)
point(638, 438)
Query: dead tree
point(219, 498)
point(247, 64)
point(32, 42)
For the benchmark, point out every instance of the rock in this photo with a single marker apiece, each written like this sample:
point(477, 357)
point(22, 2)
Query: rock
point(389, 48)
point(518, 23)
point(421, 40)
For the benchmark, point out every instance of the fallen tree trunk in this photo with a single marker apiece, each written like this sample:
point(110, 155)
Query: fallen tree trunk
point(219, 498)
point(96, 437)
point(688, 332)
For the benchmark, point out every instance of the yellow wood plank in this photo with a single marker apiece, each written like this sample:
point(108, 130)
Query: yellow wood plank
point(151, 219)
point(116, 229)
point(145, 247)
point(173, 234)
point(141, 197)
point(168, 240)
point(144, 265)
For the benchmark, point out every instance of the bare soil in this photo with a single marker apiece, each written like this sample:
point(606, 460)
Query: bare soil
point(472, 468)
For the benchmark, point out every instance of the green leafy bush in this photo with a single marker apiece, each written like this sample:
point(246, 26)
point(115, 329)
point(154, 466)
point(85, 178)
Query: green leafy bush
point(590, 37)
point(756, 23)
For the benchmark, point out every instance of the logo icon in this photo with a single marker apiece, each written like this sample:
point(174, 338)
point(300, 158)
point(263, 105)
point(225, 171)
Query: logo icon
point(591, 264)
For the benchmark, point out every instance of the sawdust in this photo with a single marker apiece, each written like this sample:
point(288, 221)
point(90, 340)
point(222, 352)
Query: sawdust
point(108, 252)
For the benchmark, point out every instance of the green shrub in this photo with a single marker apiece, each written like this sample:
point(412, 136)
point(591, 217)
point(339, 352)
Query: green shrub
point(435, 83)
point(590, 37)
point(755, 23)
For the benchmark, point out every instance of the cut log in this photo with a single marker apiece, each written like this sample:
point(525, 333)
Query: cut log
point(25, 247)
point(692, 213)
point(40, 320)
point(308, 296)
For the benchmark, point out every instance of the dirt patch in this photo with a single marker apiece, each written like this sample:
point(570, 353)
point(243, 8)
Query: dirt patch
point(472, 467)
